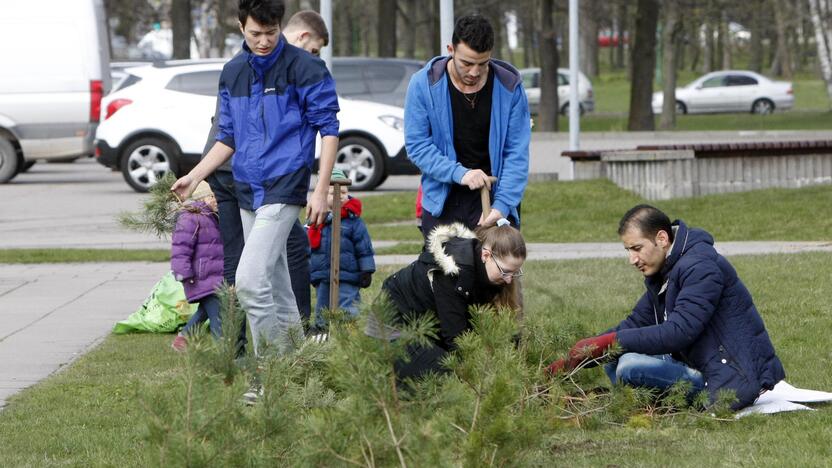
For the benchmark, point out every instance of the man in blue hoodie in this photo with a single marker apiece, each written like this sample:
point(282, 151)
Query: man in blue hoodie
point(466, 118)
point(696, 322)
point(274, 99)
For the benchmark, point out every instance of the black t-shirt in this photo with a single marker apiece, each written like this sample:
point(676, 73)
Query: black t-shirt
point(472, 124)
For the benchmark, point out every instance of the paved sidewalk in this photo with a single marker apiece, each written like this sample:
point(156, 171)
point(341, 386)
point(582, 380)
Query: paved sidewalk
point(53, 313)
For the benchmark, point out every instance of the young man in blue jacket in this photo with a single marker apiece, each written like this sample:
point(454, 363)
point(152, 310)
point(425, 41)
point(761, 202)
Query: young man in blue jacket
point(274, 99)
point(466, 118)
point(307, 30)
point(696, 322)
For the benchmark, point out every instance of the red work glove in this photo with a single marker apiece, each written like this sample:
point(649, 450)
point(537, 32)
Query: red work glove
point(590, 348)
point(555, 367)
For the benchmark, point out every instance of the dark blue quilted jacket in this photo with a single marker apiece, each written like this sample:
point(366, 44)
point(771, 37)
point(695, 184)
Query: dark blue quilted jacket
point(698, 309)
point(356, 251)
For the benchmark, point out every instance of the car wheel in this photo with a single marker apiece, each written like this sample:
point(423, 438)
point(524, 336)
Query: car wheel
point(145, 161)
point(8, 161)
point(681, 108)
point(762, 107)
point(565, 110)
point(362, 161)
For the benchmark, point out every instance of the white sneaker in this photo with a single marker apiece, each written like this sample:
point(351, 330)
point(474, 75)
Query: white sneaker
point(318, 337)
point(253, 395)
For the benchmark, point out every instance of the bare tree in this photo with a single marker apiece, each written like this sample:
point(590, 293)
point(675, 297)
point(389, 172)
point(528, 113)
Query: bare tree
point(671, 34)
point(644, 63)
point(783, 62)
point(756, 62)
point(589, 37)
point(386, 23)
point(823, 41)
point(549, 106)
point(726, 57)
point(621, 21)
point(409, 17)
point(180, 18)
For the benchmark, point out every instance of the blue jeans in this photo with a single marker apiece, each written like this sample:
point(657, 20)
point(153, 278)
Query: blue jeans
point(659, 372)
point(209, 309)
point(231, 231)
point(349, 297)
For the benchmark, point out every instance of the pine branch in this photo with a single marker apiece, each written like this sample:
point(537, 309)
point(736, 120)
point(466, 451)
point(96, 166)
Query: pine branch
point(160, 210)
point(396, 441)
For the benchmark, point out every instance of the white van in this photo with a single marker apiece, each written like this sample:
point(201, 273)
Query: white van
point(55, 69)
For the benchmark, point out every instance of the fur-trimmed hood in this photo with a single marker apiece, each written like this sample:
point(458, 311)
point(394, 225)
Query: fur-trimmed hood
point(436, 245)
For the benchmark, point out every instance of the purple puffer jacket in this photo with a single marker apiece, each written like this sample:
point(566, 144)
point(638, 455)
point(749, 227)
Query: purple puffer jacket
point(196, 252)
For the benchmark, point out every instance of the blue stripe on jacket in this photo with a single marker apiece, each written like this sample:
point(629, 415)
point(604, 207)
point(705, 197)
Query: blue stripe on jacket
point(271, 108)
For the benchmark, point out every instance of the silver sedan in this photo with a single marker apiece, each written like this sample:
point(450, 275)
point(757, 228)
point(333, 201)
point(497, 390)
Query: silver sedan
point(731, 91)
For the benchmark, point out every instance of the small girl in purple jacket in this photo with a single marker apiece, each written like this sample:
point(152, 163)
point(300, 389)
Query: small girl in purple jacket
point(196, 260)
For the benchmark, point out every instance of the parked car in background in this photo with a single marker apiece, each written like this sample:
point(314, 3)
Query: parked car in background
point(159, 119)
point(50, 96)
point(531, 82)
point(730, 91)
point(382, 80)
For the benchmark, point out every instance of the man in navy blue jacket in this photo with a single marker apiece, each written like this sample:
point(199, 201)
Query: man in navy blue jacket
point(274, 99)
point(696, 322)
point(466, 118)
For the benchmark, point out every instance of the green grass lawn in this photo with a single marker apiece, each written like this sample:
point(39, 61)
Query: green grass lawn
point(569, 211)
point(96, 412)
point(588, 211)
point(82, 255)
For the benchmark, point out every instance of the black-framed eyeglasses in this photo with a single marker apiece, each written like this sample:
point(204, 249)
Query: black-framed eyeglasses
point(503, 273)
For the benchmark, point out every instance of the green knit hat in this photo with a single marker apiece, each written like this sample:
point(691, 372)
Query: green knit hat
point(338, 174)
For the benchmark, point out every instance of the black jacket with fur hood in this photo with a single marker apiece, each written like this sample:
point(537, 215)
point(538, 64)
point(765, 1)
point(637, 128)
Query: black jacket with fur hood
point(446, 280)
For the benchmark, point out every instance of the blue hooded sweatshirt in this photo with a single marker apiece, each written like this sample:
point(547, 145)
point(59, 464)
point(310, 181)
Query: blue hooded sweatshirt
point(429, 140)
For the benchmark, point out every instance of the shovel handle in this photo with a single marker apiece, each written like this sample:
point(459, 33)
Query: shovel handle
point(485, 196)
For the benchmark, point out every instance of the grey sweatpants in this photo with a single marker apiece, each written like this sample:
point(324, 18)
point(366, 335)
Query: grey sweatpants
point(263, 284)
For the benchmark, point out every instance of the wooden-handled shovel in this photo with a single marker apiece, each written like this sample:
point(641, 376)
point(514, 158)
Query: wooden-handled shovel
point(335, 248)
point(485, 195)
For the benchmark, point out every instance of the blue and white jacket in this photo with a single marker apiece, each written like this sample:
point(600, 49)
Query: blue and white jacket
point(429, 139)
point(271, 108)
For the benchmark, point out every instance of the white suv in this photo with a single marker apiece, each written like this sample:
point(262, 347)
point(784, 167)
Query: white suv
point(159, 119)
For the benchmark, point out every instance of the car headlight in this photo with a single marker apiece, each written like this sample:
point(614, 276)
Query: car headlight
point(393, 121)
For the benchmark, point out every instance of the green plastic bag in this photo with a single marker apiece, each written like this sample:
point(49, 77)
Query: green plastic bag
point(164, 311)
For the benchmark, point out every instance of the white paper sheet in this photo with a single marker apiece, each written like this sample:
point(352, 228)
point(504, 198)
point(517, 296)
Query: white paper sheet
point(784, 397)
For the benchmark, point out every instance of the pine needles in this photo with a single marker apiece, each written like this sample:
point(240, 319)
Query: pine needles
point(339, 402)
point(160, 210)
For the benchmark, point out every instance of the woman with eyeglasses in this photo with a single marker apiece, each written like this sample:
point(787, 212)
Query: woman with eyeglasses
point(457, 269)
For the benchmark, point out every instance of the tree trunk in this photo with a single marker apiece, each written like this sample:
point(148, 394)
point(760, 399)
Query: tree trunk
point(527, 34)
point(671, 33)
point(725, 39)
point(708, 49)
point(622, 29)
point(509, 49)
point(180, 18)
point(784, 59)
point(756, 63)
point(822, 42)
point(644, 64)
point(386, 23)
point(589, 37)
point(409, 31)
point(549, 106)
